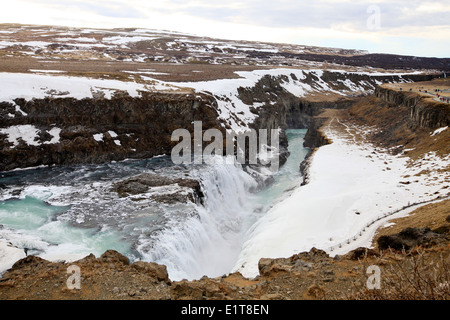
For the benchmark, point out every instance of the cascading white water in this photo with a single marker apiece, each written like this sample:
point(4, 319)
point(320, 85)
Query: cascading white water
point(207, 243)
point(191, 240)
point(210, 244)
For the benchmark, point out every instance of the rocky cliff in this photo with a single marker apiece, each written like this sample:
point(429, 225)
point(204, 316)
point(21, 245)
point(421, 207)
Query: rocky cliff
point(280, 108)
point(98, 130)
point(423, 111)
point(314, 138)
point(286, 110)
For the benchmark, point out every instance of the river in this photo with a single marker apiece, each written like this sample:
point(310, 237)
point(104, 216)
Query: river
point(68, 212)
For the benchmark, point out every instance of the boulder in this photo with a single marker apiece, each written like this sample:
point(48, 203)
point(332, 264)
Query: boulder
point(361, 253)
point(112, 256)
point(153, 269)
point(29, 261)
point(142, 183)
point(269, 267)
point(187, 290)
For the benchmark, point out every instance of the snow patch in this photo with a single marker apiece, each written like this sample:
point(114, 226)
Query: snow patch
point(98, 137)
point(40, 86)
point(55, 133)
point(9, 255)
point(112, 134)
point(28, 133)
point(437, 131)
point(47, 71)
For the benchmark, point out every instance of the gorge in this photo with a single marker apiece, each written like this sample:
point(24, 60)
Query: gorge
point(86, 169)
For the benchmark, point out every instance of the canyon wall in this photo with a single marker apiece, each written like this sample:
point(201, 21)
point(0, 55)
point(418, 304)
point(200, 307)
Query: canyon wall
point(423, 111)
point(95, 130)
point(99, 130)
point(282, 108)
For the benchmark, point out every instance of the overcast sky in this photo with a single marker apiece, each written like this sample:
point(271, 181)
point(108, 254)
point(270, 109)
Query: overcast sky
point(410, 27)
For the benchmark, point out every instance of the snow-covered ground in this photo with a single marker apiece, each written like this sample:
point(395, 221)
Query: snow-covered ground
point(238, 114)
point(39, 86)
point(9, 255)
point(352, 190)
point(57, 42)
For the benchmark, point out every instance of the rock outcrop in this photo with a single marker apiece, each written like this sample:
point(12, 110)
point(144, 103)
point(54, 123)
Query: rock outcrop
point(424, 112)
point(143, 182)
point(314, 137)
point(301, 115)
point(411, 237)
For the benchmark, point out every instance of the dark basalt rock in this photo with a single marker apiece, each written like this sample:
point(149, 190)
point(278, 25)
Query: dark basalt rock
point(422, 114)
point(142, 183)
point(143, 125)
point(409, 238)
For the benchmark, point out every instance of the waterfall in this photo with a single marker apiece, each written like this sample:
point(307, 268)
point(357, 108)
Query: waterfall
point(190, 239)
point(209, 242)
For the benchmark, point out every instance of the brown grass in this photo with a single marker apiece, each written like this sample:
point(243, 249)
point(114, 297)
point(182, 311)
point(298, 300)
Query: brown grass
point(422, 275)
point(395, 129)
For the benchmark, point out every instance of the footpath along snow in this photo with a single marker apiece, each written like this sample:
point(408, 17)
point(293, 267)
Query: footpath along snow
point(351, 188)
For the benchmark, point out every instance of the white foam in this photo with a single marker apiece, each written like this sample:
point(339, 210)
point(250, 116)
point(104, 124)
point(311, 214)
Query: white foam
point(207, 244)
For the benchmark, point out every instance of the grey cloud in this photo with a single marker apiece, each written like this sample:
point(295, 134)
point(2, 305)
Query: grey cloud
point(273, 13)
point(319, 14)
point(114, 9)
